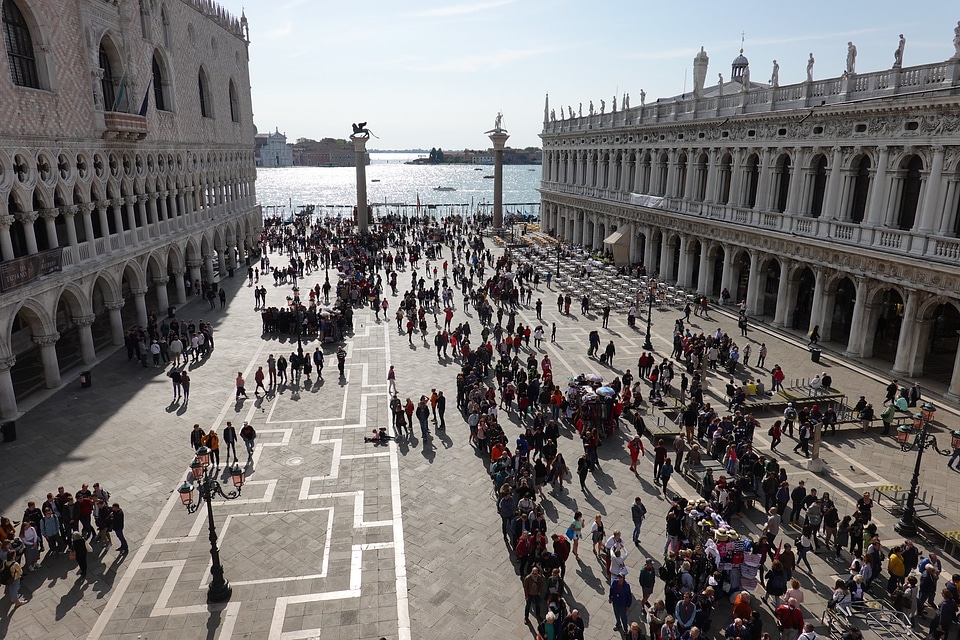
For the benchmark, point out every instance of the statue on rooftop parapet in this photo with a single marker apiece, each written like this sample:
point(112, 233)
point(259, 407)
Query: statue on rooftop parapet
point(775, 77)
point(603, 106)
point(591, 108)
point(898, 54)
point(746, 78)
point(810, 62)
point(720, 84)
point(851, 59)
point(956, 41)
point(614, 104)
point(626, 101)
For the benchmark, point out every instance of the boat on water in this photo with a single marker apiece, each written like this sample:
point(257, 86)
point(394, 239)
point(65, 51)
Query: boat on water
point(445, 189)
point(488, 177)
point(375, 180)
point(477, 169)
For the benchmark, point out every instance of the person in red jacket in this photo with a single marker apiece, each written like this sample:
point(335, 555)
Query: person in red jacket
point(789, 619)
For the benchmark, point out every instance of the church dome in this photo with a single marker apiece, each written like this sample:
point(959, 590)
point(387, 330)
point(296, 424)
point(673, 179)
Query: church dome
point(736, 68)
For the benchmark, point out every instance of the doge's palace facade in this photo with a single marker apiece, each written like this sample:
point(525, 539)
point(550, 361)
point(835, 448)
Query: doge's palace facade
point(830, 202)
point(126, 170)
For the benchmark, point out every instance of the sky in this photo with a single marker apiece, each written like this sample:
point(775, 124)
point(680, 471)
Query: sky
point(434, 73)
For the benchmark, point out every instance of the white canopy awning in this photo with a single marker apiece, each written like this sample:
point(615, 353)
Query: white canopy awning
point(615, 238)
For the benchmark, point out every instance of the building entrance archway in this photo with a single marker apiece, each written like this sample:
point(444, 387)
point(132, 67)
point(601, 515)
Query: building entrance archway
point(889, 313)
point(844, 301)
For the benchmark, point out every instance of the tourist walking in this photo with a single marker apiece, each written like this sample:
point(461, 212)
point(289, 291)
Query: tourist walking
point(78, 552)
point(249, 436)
point(241, 390)
point(622, 599)
point(638, 512)
point(230, 439)
point(117, 525)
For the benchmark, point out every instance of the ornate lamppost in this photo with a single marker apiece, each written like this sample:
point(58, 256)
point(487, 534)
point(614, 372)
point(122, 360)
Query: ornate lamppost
point(208, 486)
point(922, 440)
point(652, 292)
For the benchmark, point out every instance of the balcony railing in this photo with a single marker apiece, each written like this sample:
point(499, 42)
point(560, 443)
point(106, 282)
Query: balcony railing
point(128, 126)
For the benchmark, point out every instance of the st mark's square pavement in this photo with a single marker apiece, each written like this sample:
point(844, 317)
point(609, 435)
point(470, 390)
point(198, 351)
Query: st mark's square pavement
point(335, 538)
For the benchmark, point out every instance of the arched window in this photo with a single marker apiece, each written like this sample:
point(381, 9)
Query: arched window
point(234, 104)
point(108, 84)
point(20, 52)
point(819, 187)
point(861, 187)
point(911, 194)
point(159, 86)
point(203, 91)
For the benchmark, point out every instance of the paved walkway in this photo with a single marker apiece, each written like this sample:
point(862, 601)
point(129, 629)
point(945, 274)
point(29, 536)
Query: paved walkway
point(334, 538)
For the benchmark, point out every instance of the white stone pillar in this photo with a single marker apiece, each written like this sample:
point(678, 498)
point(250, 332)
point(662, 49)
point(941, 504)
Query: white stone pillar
point(907, 344)
point(27, 218)
point(130, 201)
point(931, 197)
point(222, 260)
point(116, 203)
point(685, 276)
point(834, 182)
point(88, 351)
point(649, 253)
point(163, 301)
point(6, 242)
point(49, 216)
point(784, 305)
point(360, 160)
point(796, 181)
point(689, 179)
point(8, 397)
point(665, 258)
point(877, 204)
point(705, 274)
point(828, 301)
point(858, 332)
point(954, 389)
point(181, 288)
point(86, 211)
point(754, 280)
point(816, 313)
point(726, 277)
point(736, 179)
point(763, 181)
point(69, 212)
point(140, 301)
point(48, 356)
point(208, 273)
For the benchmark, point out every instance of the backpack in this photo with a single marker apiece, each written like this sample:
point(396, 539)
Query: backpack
point(6, 574)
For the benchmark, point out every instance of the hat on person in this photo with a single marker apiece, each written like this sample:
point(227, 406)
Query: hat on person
point(649, 560)
point(245, 423)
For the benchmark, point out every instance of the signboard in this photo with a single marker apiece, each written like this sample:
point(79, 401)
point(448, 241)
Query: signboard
point(21, 271)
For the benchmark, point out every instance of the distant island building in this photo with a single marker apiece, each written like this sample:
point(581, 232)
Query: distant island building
point(529, 155)
point(272, 150)
point(126, 175)
point(328, 152)
point(830, 202)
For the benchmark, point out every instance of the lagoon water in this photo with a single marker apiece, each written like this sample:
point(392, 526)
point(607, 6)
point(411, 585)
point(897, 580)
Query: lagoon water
point(278, 189)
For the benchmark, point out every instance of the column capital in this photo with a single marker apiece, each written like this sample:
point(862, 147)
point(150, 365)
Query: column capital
point(87, 207)
point(6, 221)
point(179, 271)
point(193, 264)
point(49, 213)
point(164, 194)
point(163, 280)
point(7, 362)
point(129, 199)
point(142, 198)
point(153, 196)
point(139, 292)
point(69, 210)
point(114, 306)
point(882, 148)
point(83, 321)
point(937, 148)
point(27, 217)
point(47, 340)
point(115, 202)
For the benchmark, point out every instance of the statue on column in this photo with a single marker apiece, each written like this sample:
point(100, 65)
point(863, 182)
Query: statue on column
point(898, 54)
point(810, 62)
point(851, 59)
point(775, 77)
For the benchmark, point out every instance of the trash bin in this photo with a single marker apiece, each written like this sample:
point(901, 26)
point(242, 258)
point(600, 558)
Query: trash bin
point(9, 431)
point(815, 354)
point(230, 271)
point(86, 379)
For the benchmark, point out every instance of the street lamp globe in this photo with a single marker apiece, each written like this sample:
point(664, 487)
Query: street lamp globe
point(196, 468)
point(186, 493)
point(203, 456)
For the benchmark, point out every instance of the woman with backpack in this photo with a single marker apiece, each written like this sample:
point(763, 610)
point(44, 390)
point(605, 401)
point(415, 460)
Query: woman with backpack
point(775, 583)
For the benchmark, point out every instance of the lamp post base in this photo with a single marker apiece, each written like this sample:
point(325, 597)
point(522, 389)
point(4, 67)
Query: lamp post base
point(905, 527)
point(219, 592)
point(647, 345)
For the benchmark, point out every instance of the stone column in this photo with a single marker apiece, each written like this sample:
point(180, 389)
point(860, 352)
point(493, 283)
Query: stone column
point(129, 201)
point(763, 181)
point(116, 203)
point(754, 286)
point(726, 277)
point(87, 349)
point(222, 260)
point(877, 205)
point(85, 210)
point(499, 138)
point(588, 174)
point(6, 243)
point(360, 160)
point(907, 344)
point(796, 181)
point(181, 288)
point(50, 222)
point(8, 397)
point(782, 316)
point(116, 321)
point(685, 276)
point(931, 198)
point(858, 332)
point(163, 301)
point(48, 356)
point(705, 275)
point(162, 202)
point(140, 301)
point(649, 252)
point(828, 301)
point(194, 266)
point(208, 274)
point(101, 208)
point(27, 218)
point(816, 313)
point(666, 260)
point(689, 178)
point(831, 208)
point(953, 391)
point(69, 212)
point(736, 178)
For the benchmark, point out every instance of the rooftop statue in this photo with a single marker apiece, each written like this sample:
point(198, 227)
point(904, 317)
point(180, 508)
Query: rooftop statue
point(956, 41)
point(810, 68)
point(643, 94)
point(775, 78)
point(851, 59)
point(898, 54)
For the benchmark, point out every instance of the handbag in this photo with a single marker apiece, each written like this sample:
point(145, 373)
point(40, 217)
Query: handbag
point(570, 533)
point(73, 555)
